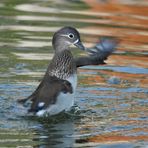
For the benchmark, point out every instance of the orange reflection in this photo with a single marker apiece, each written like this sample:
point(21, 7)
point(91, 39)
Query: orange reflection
point(116, 6)
point(111, 138)
point(138, 79)
point(124, 20)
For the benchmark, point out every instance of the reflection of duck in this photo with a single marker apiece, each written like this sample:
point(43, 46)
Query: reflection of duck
point(56, 91)
point(59, 134)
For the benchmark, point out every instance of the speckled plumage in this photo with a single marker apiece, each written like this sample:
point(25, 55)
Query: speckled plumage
point(62, 65)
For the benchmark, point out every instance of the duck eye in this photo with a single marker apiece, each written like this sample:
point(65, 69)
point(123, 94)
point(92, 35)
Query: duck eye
point(71, 36)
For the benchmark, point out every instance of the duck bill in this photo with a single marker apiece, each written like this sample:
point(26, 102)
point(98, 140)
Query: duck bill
point(78, 44)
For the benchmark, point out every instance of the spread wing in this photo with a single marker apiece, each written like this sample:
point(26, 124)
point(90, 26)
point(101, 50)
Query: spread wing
point(98, 53)
point(46, 93)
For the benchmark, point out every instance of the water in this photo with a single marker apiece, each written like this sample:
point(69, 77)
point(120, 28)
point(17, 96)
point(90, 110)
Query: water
point(113, 99)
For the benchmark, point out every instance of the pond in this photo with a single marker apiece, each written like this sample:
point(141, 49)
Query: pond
point(113, 98)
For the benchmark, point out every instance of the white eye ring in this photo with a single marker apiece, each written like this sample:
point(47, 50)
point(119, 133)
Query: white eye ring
point(71, 36)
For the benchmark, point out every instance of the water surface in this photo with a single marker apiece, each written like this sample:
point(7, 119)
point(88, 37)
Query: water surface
point(113, 98)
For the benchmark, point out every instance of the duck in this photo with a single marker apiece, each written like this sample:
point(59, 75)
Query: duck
point(56, 91)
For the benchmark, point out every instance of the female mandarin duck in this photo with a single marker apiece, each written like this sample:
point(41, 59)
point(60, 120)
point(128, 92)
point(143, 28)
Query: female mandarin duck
point(56, 91)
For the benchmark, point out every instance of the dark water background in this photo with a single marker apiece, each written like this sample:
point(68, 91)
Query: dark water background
point(113, 98)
